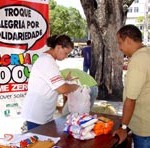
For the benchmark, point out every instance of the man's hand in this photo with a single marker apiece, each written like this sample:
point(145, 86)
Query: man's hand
point(122, 134)
point(128, 109)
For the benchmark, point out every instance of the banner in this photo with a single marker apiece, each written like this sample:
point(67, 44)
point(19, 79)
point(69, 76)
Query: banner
point(23, 33)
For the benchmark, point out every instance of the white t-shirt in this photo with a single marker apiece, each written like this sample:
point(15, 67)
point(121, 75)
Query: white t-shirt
point(41, 99)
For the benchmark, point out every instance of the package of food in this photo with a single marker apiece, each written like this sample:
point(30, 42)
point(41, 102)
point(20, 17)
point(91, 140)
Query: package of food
point(34, 142)
point(103, 126)
point(41, 144)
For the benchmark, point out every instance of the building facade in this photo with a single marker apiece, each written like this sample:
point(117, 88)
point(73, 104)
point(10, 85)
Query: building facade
point(139, 15)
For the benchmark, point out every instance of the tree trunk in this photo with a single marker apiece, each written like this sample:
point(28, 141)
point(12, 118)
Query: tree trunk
point(104, 18)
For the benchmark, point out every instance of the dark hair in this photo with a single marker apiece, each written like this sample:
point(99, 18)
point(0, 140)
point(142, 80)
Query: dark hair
point(63, 40)
point(88, 42)
point(130, 31)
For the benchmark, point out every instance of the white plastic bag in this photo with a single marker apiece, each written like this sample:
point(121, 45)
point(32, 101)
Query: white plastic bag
point(79, 100)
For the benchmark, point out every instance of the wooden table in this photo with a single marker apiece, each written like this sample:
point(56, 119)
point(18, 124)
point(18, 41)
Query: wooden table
point(55, 129)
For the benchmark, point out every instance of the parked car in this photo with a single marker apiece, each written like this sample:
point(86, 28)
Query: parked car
point(76, 52)
point(125, 63)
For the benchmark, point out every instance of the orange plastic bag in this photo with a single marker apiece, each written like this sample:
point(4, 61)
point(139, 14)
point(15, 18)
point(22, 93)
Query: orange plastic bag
point(103, 126)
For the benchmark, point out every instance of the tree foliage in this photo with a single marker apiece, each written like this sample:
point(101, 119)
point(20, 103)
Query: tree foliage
point(68, 21)
point(140, 19)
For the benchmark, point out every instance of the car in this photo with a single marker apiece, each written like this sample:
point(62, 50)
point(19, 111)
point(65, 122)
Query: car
point(76, 52)
point(125, 63)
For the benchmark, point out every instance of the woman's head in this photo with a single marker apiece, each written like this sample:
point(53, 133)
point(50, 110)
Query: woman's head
point(61, 46)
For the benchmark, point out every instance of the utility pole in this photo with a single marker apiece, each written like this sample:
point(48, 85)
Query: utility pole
point(146, 22)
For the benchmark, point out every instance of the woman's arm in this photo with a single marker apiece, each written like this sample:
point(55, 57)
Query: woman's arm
point(67, 88)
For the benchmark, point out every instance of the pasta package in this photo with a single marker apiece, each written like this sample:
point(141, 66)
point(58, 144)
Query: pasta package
point(103, 126)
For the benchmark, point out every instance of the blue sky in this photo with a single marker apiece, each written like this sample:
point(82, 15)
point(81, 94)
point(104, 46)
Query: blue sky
point(71, 3)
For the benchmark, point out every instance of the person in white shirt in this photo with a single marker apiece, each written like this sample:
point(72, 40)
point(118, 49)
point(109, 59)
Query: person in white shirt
point(46, 83)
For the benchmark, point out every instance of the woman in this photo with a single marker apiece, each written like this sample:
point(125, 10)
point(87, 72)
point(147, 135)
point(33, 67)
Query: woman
point(46, 83)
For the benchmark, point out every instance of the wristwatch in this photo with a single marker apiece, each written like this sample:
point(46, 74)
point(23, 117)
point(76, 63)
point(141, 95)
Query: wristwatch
point(124, 126)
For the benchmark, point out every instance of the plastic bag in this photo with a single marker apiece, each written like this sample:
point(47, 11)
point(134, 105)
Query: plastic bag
point(79, 100)
point(80, 126)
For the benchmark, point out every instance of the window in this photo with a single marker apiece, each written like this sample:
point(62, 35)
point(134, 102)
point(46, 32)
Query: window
point(148, 37)
point(130, 10)
point(136, 1)
point(136, 9)
point(141, 27)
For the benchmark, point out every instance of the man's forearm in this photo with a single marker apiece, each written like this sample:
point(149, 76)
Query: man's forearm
point(128, 109)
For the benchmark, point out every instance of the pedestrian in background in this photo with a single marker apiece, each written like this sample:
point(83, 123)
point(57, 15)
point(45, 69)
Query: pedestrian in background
point(86, 53)
point(136, 93)
point(46, 83)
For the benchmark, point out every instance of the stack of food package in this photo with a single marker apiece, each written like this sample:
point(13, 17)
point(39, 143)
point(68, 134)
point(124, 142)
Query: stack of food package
point(85, 126)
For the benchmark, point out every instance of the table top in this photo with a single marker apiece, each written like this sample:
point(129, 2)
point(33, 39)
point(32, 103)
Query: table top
point(55, 129)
